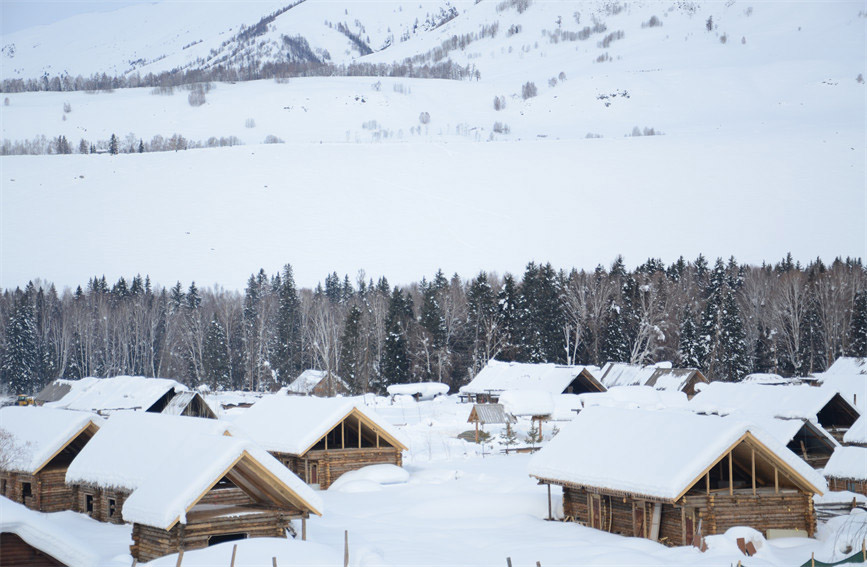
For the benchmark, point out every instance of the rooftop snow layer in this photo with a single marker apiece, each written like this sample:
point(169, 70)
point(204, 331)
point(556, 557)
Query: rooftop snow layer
point(848, 365)
point(39, 432)
point(73, 539)
point(179, 479)
point(292, 424)
point(853, 387)
point(758, 399)
point(499, 376)
point(112, 394)
point(424, 390)
point(635, 397)
point(616, 439)
point(659, 376)
point(527, 402)
point(857, 434)
point(847, 462)
point(129, 447)
point(309, 379)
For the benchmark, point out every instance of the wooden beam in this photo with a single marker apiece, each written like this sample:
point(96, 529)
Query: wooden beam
point(776, 480)
point(377, 439)
point(753, 462)
point(731, 478)
point(477, 434)
point(550, 517)
point(359, 433)
point(342, 435)
point(303, 529)
point(326, 440)
point(707, 482)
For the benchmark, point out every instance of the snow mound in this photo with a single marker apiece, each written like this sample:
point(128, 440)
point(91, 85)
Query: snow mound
point(356, 481)
point(424, 390)
point(256, 552)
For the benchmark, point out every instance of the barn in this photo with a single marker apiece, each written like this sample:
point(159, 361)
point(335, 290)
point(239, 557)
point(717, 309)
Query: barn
point(319, 439)
point(36, 447)
point(675, 476)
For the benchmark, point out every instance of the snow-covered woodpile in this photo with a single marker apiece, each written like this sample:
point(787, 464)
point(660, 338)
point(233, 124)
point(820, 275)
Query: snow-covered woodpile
point(319, 439)
point(662, 474)
point(497, 377)
point(36, 448)
point(658, 377)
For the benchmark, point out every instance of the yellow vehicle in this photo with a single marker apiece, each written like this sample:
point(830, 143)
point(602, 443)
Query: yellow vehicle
point(24, 400)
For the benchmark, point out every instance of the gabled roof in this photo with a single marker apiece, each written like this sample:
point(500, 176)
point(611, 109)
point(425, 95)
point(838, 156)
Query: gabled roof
point(657, 454)
point(634, 397)
point(489, 413)
point(758, 399)
point(105, 395)
point(73, 539)
point(785, 430)
point(615, 374)
point(848, 365)
point(182, 400)
point(536, 403)
point(294, 424)
point(857, 434)
point(307, 381)
point(130, 446)
point(499, 376)
point(847, 462)
point(181, 480)
point(853, 387)
point(38, 434)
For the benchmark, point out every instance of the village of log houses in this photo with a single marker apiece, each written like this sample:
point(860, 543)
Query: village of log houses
point(527, 464)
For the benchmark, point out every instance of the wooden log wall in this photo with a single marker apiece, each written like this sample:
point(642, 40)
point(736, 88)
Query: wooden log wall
point(150, 543)
point(335, 462)
point(851, 485)
point(785, 510)
point(15, 552)
point(227, 497)
point(48, 489)
point(670, 526)
point(101, 502)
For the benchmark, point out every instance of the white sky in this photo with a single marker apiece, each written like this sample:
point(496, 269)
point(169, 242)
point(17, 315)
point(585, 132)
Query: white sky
point(20, 14)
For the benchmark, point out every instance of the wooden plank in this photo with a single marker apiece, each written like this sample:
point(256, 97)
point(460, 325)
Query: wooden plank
point(753, 457)
point(359, 433)
point(776, 480)
point(731, 478)
point(342, 435)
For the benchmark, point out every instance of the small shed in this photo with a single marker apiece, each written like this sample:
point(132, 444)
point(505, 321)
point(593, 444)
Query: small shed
point(489, 414)
point(317, 383)
point(623, 472)
point(658, 377)
point(320, 439)
point(497, 377)
point(36, 447)
point(847, 470)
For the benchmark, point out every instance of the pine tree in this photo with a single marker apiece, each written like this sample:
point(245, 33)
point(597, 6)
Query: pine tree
point(614, 345)
point(215, 358)
point(113, 145)
point(141, 146)
point(395, 357)
point(19, 357)
point(763, 352)
point(733, 361)
point(507, 311)
point(688, 348)
point(858, 326)
point(350, 350)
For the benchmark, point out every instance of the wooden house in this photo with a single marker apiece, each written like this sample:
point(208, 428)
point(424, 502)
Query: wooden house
point(184, 483)
point(33, 539)
point(675, 476)
point(803, 437)
point(847, 470)
point(823, 405)
point(125, 393)
point(317, 383)
point(663, 378)
point(497, 377)
point(848, 375)
point(319, 439)
point(856, 436)
point(37, 446)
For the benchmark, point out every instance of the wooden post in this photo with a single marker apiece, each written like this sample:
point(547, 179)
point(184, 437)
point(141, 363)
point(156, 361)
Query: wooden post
point(707, 482)
point(477, 431)
point(550, 517)
point(776, 481)
point(306, 471)
point(346, 548)
point(180, 558)
point(377, 439)
point(359, 433)
point(753, 462)
point(813, 559)
point(326, 441)
point(273, 562)
point(508, 562)
point(234, 551)
point(134, 562)
point(342, 435)
point(303, 529)
point(731, 480)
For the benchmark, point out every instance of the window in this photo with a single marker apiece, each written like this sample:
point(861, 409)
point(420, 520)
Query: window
point(215, 539)
point(112, 507)
point(88, 503)
point(26, 490)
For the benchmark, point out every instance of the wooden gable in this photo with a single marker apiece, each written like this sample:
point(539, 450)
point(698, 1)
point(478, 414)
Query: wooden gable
point(64, 455)
point(355, 431)
point(584, 383)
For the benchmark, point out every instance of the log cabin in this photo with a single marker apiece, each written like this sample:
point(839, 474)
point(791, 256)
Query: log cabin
point(320, 439)
point(822, 405)
point(36, 447)
point(675, 476)
point(105, 396)
point(317, 383)
point(662, 378)
point(497, 377)
point(847, 470)
point(184, 483)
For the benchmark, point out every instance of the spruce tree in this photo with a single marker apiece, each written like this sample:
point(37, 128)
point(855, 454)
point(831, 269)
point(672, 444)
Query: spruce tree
point(614, 345)
point(19, 358)
point(215, 358)
point(858, 326)
point(507, 313)
point(113, 145)
point(395, 357)
point(288, 350)
point(688, 347)
point(733, 361)
point(350, 350)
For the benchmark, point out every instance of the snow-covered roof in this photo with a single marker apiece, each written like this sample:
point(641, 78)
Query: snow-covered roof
point(758, 399)
point(307, 381)
point(853, 387)
point(489, 413)
point(499, 376)
point(423, 390)
point(848, 365)
point(293, 424)
point(105, 395)
point(857, 434)
point(659, 376)
point(635, 397)
point(847, 462)
point(527, 402)
point(784, 430)
point(181, 480)
point(130, 446)
point(38, 434)
point(766, 378)
point(602, 446)
point(73, 539)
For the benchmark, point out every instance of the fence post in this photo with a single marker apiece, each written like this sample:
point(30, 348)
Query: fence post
point(234, 551)
point(180, 558)
point(346, 548)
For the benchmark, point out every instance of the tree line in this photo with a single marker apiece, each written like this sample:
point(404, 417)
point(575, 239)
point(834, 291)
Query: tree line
point(727, 319)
